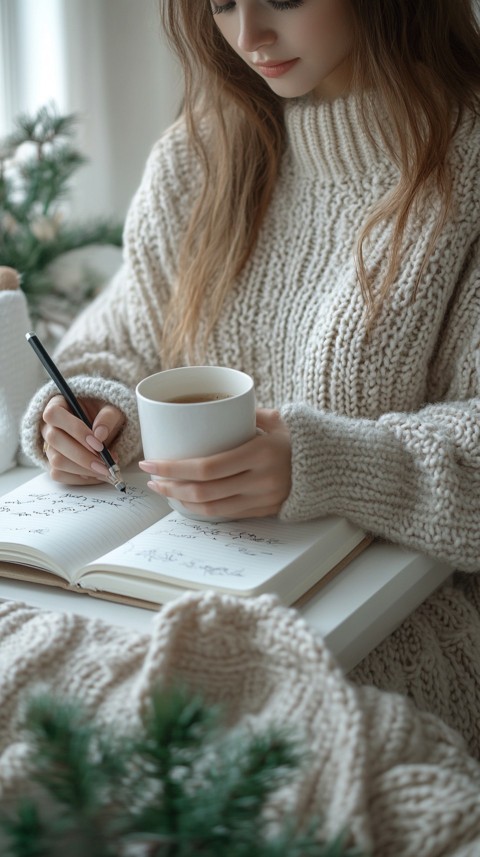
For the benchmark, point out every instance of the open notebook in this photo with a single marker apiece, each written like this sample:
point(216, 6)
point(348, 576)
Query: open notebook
point(132, 547)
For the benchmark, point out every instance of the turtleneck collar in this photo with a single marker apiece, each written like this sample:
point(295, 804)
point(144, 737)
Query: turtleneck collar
point(327, 139)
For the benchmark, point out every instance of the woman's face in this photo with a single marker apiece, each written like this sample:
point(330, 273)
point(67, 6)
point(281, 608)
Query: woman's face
point(297, 46)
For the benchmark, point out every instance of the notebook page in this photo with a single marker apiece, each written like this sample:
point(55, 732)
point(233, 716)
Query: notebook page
point(71, 525)
point(237, 556)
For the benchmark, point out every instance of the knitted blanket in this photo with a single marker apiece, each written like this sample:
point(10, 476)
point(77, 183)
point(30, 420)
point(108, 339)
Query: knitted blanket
point(400, 780)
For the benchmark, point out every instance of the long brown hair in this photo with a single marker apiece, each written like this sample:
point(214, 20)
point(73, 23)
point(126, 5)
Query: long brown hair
point(422, 60)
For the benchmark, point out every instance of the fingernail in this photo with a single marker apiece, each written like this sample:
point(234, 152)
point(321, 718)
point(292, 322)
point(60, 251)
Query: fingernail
point(98, 467)
point(95, 444)
point(101, 433)
point(146, 465)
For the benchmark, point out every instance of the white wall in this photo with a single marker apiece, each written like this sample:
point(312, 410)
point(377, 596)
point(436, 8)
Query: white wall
point(127, 87)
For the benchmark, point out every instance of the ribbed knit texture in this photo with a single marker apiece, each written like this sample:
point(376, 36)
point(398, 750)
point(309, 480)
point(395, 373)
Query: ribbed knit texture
point(399, 780)
point(434, 658)
point(385, 430)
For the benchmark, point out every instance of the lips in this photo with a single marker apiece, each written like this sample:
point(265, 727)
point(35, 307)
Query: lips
point(275, 69)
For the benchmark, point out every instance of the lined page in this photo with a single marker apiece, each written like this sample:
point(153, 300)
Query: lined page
point(69, 525)
point(237, 556)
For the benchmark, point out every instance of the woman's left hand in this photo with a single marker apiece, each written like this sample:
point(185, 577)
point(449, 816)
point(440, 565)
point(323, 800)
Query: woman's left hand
point(250, 481)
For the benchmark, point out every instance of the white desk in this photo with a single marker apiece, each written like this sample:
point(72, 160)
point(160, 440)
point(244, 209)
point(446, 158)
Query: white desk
point(353, 613)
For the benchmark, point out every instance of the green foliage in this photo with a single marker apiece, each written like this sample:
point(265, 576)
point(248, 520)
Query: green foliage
point(37, 162)
point(179, 788)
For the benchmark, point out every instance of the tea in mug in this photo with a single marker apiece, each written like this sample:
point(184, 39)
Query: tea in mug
point(196, 398)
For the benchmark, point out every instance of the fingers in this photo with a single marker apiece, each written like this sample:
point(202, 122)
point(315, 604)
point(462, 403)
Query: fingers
point(107, 424)
point(236, 506)
point(269, 420)
point(203, 492)
point(68, 458)
point(250, 481)
point(219, 466)
point(242, 459)
point(218, 499)
point(72, 447)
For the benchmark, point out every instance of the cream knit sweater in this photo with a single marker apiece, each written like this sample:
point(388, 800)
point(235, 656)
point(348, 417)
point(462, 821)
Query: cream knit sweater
point(385, 431)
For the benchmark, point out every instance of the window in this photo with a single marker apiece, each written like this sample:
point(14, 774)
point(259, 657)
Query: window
point(6, 106)
point(105, 61)
point(32, 60)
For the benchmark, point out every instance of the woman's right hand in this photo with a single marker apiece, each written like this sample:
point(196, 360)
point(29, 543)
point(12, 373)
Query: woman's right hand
point(71, 447)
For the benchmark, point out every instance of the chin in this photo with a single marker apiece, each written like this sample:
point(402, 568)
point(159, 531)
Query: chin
point(290, 90)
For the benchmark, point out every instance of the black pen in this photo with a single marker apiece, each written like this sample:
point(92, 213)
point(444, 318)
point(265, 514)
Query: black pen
point(77, 409)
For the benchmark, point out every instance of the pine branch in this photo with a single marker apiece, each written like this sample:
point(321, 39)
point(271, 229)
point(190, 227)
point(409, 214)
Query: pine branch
point(25, 831)
point(44, 180)
point(181, 787)
point(34, 182)
point(43, 127)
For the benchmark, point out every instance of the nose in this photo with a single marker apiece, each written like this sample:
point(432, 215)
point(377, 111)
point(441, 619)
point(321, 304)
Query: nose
point(254, 30)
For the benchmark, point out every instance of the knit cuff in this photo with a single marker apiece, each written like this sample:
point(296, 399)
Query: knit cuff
point(128, 444)
point(333, 459)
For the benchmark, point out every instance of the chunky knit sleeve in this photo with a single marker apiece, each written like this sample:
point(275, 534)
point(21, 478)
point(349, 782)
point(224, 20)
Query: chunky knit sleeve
point(115, 342)
point(412, 478)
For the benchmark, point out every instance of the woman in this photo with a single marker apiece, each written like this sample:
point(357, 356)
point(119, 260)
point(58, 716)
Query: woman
point(313, 218)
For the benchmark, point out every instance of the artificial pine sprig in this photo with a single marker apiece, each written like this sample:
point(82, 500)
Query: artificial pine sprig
point(37, 162)
point(179, 788)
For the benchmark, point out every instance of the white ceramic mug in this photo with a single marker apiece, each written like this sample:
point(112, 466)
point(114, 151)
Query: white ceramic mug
point(191, 429)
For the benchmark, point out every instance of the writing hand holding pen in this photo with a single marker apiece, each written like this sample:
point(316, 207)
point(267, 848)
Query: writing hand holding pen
point(75, 432)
